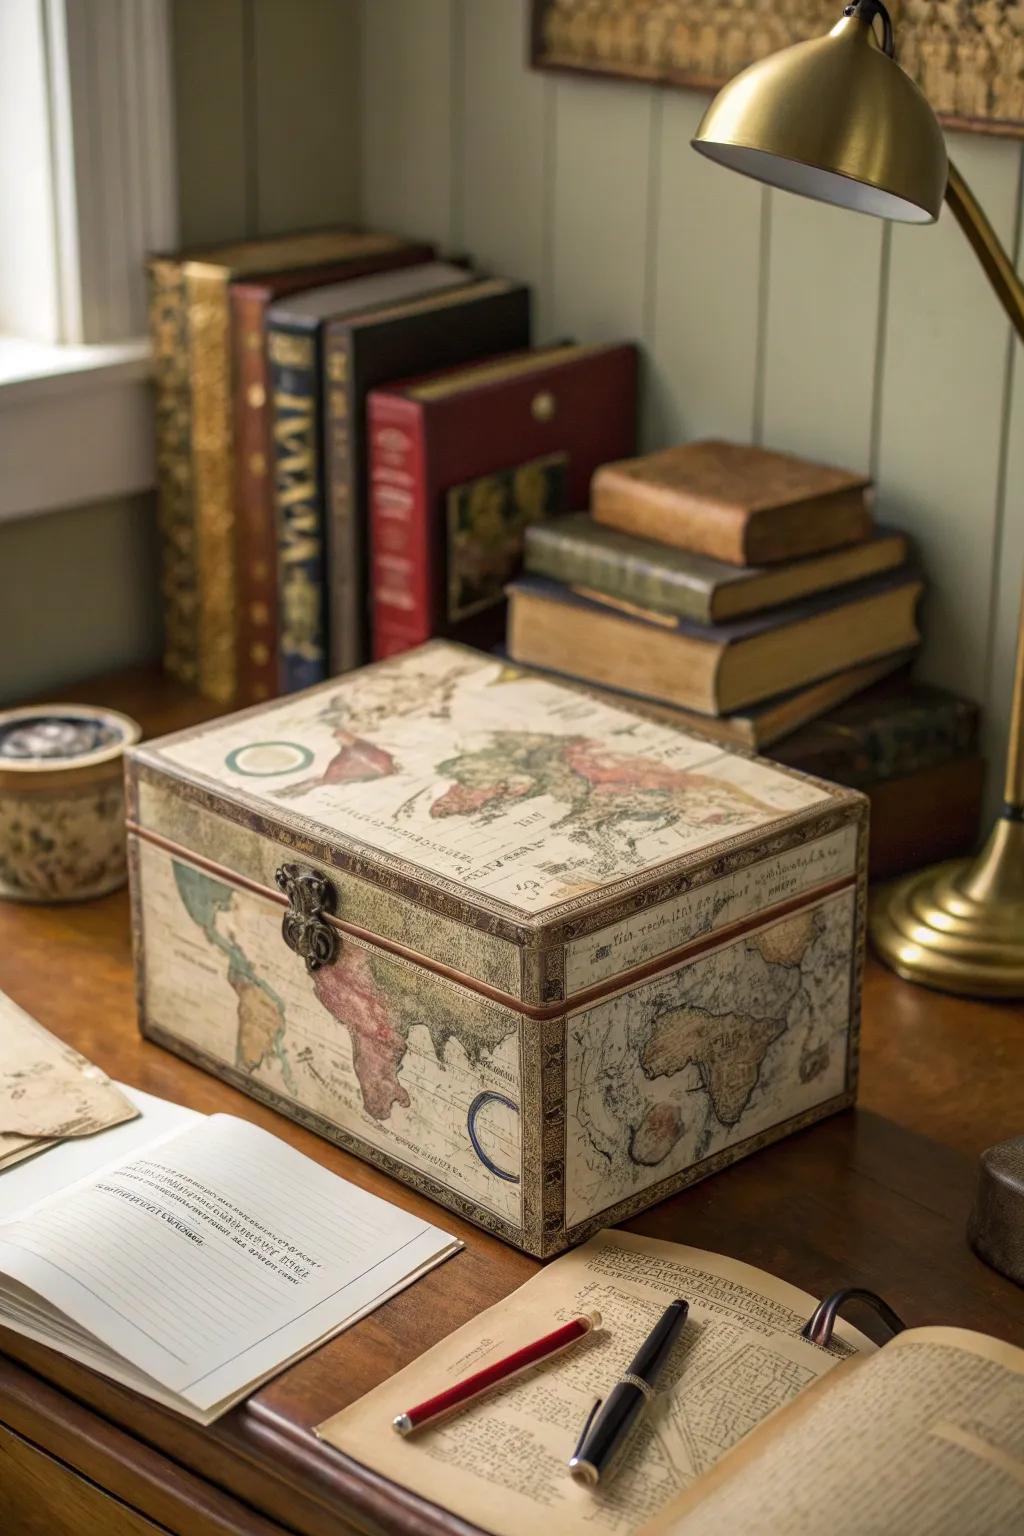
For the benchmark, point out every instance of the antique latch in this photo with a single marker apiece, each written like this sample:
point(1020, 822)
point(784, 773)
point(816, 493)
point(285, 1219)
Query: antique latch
point(309, 895)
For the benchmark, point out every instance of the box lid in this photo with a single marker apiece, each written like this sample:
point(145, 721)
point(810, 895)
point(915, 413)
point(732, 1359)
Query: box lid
point(505, 801)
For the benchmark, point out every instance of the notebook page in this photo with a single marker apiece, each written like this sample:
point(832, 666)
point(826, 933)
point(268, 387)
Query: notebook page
point(21, 1311)
point(211, 1259)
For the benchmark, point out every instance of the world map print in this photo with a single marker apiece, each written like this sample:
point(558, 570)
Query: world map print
point(370, 1042)
point(707, 1055)
point(473, 771)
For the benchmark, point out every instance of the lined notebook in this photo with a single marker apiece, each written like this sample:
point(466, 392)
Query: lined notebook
point(195, 1265)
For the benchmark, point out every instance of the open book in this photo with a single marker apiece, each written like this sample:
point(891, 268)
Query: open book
point(924, 1438)
point(194, 1263)
point(839, 1441)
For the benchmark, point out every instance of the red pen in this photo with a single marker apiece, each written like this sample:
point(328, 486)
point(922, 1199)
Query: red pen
point(492, 1375)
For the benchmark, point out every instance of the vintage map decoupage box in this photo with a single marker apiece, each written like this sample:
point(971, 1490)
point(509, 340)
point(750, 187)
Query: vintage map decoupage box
point(543, 958)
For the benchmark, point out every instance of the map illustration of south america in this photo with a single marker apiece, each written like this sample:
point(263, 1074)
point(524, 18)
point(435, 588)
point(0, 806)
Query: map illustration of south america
point(421, 1071)
point(261, 1014)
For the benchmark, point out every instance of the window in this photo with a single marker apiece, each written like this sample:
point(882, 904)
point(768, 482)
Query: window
point(87, 187)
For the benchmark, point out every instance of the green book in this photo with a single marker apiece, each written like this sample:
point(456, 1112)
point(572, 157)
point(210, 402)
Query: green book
point(620, 568)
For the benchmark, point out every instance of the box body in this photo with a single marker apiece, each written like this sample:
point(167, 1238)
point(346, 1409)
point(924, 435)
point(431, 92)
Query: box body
point(550, 961)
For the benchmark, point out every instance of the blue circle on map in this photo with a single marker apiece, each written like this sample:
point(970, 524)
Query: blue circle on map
point(266, 759)
point(489, 1097)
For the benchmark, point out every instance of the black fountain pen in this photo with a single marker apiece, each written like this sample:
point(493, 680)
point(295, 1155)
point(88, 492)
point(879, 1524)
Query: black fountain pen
point(606, 1431)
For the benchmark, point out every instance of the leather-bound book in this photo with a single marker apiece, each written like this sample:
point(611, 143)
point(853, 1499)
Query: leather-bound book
point(720, 670)
point(461, 463)
point(179, 577)
point(665, 579)
point(757, 726)
point(740, 504)
point(478, 320)
point(295, 328)
point(894, 730)
point(191, 326)
point(255, 529)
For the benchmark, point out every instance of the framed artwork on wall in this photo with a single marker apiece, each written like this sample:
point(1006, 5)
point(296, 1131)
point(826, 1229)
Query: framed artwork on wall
point(966, 55)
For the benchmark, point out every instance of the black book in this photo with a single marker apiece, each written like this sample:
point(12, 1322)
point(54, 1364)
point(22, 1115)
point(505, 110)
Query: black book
point(295, 327)
point(477, 320)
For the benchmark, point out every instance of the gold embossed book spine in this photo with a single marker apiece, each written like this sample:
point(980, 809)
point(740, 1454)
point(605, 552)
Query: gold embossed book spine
point(178, 562)
point(209, 354)
point(256, 541)
point(539, 957)
point(299, 503)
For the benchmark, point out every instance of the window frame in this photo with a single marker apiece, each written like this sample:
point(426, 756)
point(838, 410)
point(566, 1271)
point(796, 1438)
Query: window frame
point(75, 399)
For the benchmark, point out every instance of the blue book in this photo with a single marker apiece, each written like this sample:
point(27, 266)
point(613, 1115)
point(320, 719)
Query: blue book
point(295, 328)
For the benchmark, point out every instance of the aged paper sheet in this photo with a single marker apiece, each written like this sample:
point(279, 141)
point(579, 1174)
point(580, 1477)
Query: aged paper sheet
point(502, 1462)
point(925, 1438)
point(47, 1090)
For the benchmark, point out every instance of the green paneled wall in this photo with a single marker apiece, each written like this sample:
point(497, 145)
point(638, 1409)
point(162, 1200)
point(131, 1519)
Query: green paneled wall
point(763, 317)
point(77, 595)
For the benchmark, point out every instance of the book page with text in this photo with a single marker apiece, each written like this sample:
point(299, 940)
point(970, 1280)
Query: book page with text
point(502, 1461)
point(925, 1438)
point(209, 1260)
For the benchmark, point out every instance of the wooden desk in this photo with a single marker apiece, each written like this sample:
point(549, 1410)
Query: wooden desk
point(877, 1197)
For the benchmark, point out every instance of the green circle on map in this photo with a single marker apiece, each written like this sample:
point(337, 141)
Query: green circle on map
point(264, 759)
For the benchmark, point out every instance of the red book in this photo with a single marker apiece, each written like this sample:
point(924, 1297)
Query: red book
point(462, 461)
point(255, 519)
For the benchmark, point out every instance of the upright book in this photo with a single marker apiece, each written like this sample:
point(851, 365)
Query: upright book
point(253, 455)
point(295, 349)
point(361, 352)
point(191, 328)
point(463, 462)
point(740, 504)
point(714, 671)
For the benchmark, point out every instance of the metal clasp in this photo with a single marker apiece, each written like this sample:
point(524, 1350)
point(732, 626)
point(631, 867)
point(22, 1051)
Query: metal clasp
point(309, 895)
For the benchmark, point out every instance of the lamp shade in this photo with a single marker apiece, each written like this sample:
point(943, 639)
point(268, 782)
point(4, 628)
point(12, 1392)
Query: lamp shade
point(835, 119)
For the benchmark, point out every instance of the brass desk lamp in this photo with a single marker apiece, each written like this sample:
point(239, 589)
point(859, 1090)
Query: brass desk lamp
point(838, 120)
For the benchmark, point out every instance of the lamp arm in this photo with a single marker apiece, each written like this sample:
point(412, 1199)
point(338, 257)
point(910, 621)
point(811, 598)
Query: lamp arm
point(1010, 290)
point(999, 269)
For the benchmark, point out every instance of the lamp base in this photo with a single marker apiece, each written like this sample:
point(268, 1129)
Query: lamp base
point(959, 927)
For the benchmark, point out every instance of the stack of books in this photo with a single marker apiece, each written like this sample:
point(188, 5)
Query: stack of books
point(736, 590)
point(271, 356)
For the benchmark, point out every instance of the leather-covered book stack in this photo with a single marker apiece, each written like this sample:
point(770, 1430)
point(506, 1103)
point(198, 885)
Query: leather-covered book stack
point(747, 590)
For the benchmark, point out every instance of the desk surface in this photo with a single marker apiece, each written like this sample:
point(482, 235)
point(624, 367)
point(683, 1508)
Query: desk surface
point(876, 1197)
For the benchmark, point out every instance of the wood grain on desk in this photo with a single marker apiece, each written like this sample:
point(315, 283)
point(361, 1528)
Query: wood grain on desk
point(876, 1197)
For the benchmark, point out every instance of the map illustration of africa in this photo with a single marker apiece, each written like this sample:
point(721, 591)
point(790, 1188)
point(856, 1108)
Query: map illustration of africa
point(708, 1055)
